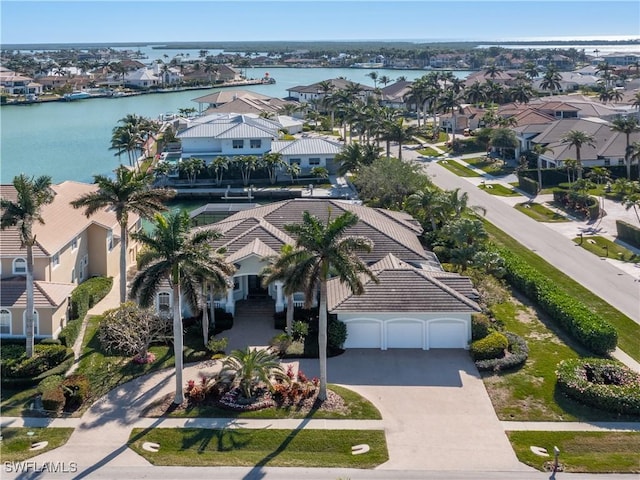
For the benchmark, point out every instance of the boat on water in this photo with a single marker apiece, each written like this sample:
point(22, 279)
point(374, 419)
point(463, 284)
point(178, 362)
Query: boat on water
point(268, 79)
point(76, 95)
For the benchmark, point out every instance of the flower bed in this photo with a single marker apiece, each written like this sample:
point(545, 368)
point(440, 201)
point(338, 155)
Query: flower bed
point(233, 401)
point(604, 384)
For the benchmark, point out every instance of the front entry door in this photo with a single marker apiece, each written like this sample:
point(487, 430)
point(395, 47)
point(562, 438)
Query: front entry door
point(255, 287)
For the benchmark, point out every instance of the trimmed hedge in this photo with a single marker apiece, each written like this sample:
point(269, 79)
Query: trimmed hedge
point(45, 357)
point(336, 334)
point(575, 318)
point(527, 185)
point(69, 333)
point(87, 294)
point(628, 233)
point(604, 384)
point(518, 352)
point(491, 346)
point(480, 326)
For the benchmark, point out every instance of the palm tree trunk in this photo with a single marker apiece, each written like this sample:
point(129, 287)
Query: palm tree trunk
point(322, 340)
point(627, 160)
point(177, 342)
point(205, 316)
point(123, 262)
point(212, 308)
point(290, 308)
point(29, 324)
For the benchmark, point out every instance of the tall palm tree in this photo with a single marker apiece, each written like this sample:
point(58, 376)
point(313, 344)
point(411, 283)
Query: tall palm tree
point(626, 125)
point(578, 138)
point(551, 80)
point(475, 93)
point(373, 76)
point(217, 166)
point(273, 162)
point(531, 70)
point(322, 249)
point(182, 257)
point(492, 70)
point(32, 195)
point(539, 149)
point(130, 192)
point(397, 131)
point(385, 80)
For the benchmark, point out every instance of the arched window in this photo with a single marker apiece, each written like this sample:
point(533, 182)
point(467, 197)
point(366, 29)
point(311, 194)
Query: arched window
point(36, 323)
point(20, 266)
point(164, 303)
point(5, 321)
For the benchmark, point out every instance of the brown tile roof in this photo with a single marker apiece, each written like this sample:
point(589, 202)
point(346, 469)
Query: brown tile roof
point(256, 247)
point(62, 221)
point(13, 293)
point(403, 288)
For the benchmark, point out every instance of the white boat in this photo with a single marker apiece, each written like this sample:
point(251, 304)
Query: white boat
point(76, 95)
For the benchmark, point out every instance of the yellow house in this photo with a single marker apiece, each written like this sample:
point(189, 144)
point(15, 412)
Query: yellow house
point(70, 248)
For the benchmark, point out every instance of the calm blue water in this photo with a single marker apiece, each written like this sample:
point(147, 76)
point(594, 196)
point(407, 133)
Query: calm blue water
point(70, 140)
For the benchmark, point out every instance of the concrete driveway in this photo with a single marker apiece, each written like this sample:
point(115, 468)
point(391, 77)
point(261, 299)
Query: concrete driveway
point(437, 413)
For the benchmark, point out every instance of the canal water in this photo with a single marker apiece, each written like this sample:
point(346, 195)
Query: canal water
point(70, 140)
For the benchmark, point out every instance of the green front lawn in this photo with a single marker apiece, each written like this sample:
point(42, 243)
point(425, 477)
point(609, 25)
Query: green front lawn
point(429, 152)
point(458, 169)
point(359, 408)
point(604, 247)
point(628, 330)
point(238, 447)
point(106, 372)
point(15, 402)
point(583, 452)
point(492, 167)
point(540, 213)
point(498, 189)
point(15, 443)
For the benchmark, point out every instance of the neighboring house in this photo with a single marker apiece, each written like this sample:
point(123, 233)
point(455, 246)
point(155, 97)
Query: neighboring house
point(306, 93)
point(17, 84)
point(218, 99)
point(569, 82)
point(308, 153)
point(619, 59)
point(502, 78)
point(415, 305)
point(70, 248)
point(228, 74)
point(469, 116)
point(395, 95)
point(560, 62)
point(142, 78)
point(609, 146)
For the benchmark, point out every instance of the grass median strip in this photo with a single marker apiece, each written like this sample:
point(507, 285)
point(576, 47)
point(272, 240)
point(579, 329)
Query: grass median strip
point(264, 447)
point(497, 189)
point(540, 213)
point(593, 452)
point(458, 169)
point(603, 247)
point(628, 330)
point(16, 442)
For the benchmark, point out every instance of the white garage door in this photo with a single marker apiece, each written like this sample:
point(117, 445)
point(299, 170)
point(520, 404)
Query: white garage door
point(447, 335)
point(363, 334)
point(405, 334)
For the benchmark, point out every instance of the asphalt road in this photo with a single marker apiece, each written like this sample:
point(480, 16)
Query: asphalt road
point(617, 288)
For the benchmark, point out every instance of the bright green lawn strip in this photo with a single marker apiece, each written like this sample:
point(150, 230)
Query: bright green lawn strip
point(429, 152)
point(492, 167)
point(499, 190)
point(105, 372)
point(359, 409)
point(584, 452)
point(628, 330)
point(15, 443)
point(15, 402)
point(263, 447)
point(596, 245)
point(458, 169)
point(540, 213)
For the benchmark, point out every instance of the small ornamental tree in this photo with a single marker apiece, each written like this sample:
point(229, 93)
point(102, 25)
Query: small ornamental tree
point(130, 330)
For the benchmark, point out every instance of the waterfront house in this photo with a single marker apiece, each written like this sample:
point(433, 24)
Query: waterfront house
point(415, 305)
point(15, 83)
point(308, 153)
point(69, 249)
point(315, 91)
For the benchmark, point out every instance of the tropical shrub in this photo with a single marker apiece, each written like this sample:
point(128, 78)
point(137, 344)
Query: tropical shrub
point(336, 334)
point(299, 330)
point(575, 318)
point(217, 345)
point(491, 346)
point(516, 354)
point(280, 343)
point(53, 400)
point(250, 368)
point(480, 326)
point(600, 383)
point(45, 357)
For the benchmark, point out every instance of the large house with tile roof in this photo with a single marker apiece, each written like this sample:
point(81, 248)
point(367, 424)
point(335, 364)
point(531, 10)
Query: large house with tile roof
point(307, 93)
point(415, 304)
point(69, 249)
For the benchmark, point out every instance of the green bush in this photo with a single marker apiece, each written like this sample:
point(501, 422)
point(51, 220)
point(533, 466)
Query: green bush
point(527, 185)
point(223, 321)
point(575, 318)
point(299, 330)
point(87, 294)
point(336, 334)
point(517, 354)
point(480, 326)
point(217, 345)
point(50, 341)
point(281, 343)
point(44, 358)
point(51, 382)
point(76, 389)
point(604, 384)
point(53, 400)
point(491, 346)
point(628, 233)
point(69, 334)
